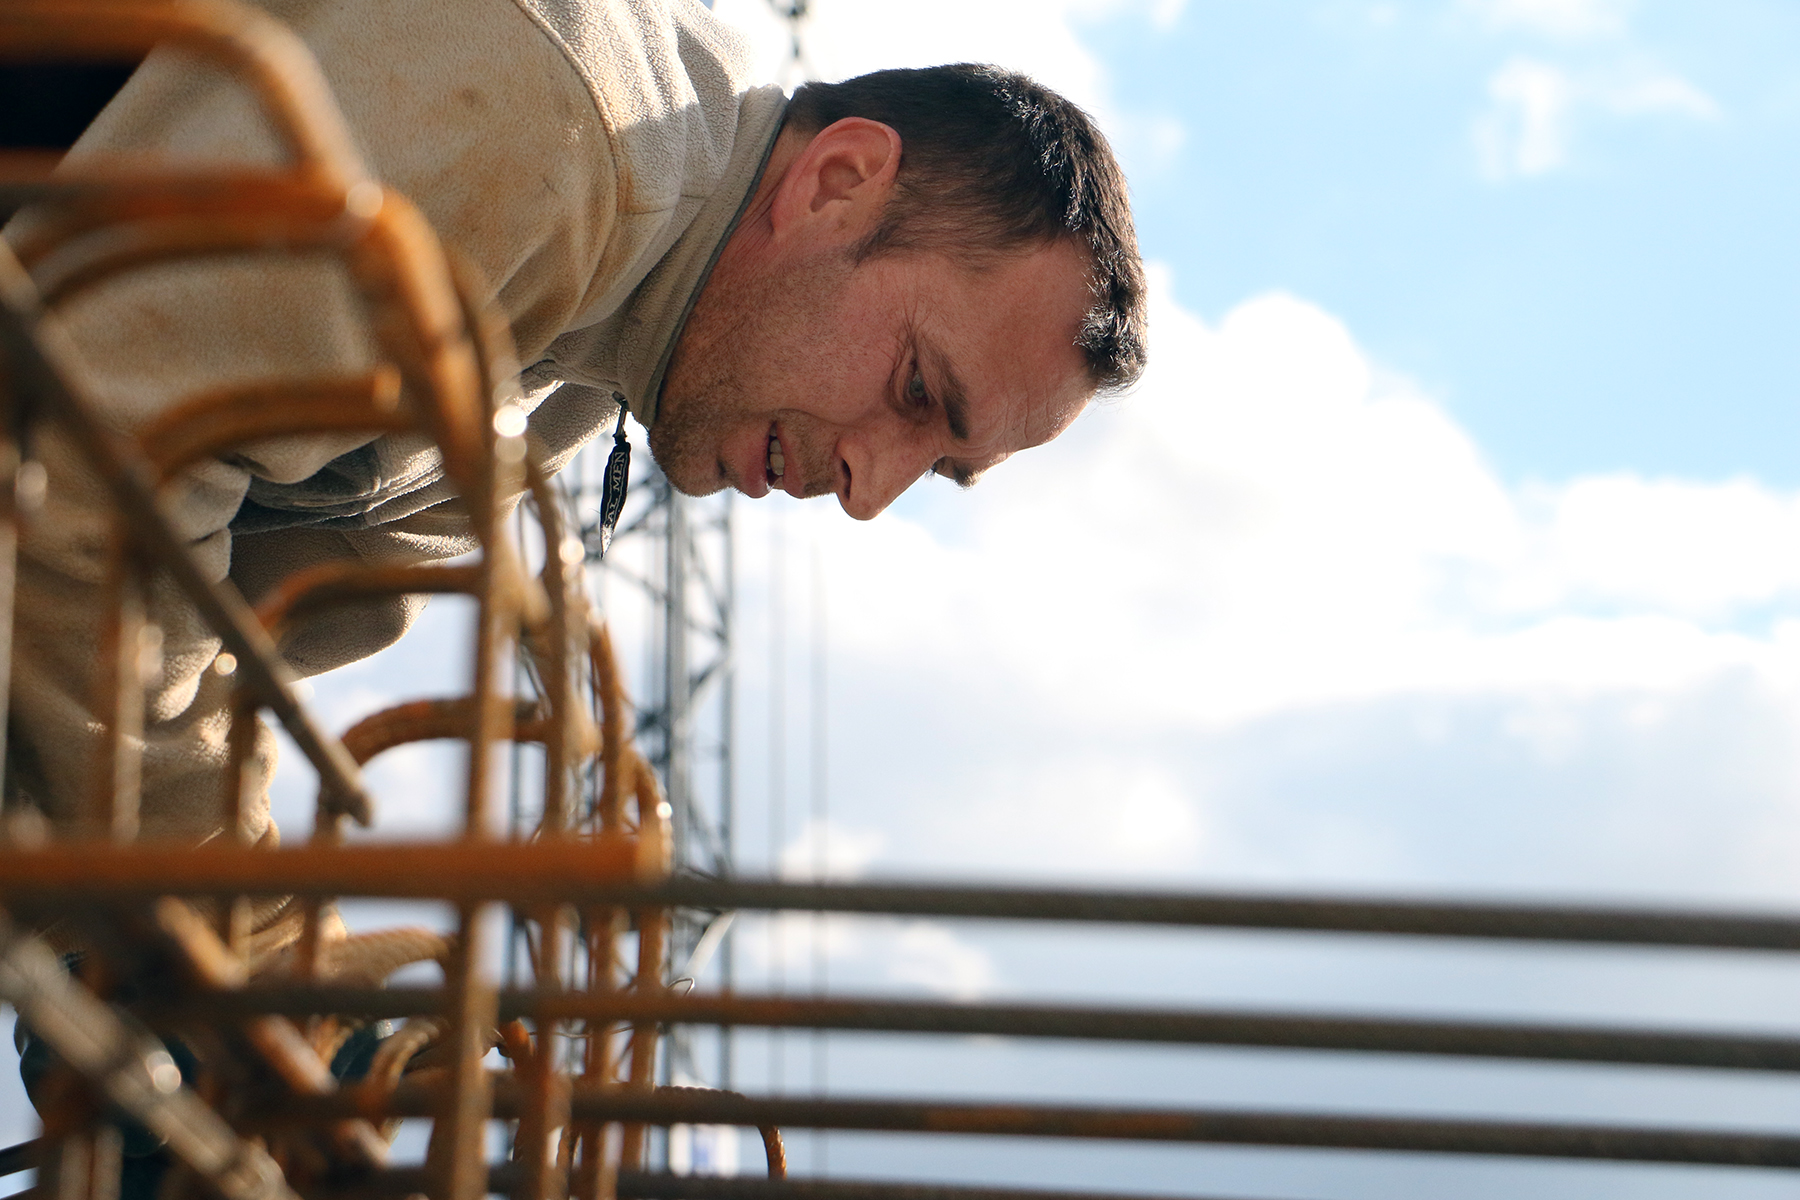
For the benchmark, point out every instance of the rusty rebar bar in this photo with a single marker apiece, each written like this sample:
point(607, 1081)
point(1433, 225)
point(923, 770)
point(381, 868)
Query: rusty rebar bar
point(641, 1185)
point(1528, 1139)
point(274, 1038)
point(125, 872)
point(38, 355)
point(650, 1185)
point(228, 417)
point(130, 1070)
point(1241, 910)
point(22, 1157)
point(68, 875)
point(281, 71)
point(1739, 1051)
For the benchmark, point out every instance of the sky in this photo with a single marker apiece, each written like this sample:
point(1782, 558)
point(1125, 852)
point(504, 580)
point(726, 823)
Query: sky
point(1451, 546)
point(1448, 547)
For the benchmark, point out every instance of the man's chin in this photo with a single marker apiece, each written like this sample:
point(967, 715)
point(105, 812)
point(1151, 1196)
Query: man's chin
point(711, 488)
point(688, 473)
point(684, 478)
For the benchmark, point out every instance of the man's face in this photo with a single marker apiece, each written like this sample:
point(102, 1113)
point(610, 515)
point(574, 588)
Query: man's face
point(817, 376)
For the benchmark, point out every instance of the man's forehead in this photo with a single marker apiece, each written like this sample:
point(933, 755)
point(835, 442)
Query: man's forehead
point(1004, 350)
point(1017, 422)
point(1021, 400)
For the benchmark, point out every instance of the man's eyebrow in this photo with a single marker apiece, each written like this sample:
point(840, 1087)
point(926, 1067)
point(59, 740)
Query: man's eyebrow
point(954, 399)
point(962, 474)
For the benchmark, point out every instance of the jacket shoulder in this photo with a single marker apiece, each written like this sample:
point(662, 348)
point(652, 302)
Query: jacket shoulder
point(667, 79)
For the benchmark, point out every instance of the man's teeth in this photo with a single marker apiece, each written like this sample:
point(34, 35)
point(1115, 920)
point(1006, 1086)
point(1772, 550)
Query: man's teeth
point(777, 464)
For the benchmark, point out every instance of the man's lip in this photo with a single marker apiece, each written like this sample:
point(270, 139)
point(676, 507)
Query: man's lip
point(788, 475)
point(752, 483)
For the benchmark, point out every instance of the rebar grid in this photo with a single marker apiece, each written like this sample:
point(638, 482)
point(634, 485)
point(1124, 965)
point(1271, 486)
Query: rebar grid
point(446, 371)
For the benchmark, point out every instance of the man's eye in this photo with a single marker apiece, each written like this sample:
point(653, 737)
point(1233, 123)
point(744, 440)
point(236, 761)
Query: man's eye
point(915, 391)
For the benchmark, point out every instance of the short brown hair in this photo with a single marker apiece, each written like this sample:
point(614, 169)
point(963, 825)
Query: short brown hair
point(990, 162)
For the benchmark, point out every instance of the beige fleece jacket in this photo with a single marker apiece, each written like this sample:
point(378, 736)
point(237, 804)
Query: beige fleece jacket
point(589, 156)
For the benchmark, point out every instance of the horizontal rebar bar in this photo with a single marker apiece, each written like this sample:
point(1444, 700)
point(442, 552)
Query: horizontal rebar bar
point(1217, 1027)
point(21, 1157)
point(638, 1185)
point(130, 1071)
point(39, 363)
point(1217, 1126)
point(1248, 910)
point(649, 1185)
point(65, 874)
point(100, 873)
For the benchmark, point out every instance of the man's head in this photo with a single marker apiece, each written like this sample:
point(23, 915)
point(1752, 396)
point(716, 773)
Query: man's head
point(937, 270)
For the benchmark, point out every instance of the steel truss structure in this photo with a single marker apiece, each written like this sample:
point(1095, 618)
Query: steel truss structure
point(672, 560)
point(675, 556)
point(255, 1113)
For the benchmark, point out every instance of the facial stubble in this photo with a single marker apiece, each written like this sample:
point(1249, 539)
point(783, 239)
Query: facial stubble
point(748, 353)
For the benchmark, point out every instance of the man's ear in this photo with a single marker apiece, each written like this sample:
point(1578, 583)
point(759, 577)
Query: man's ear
point(839, 182)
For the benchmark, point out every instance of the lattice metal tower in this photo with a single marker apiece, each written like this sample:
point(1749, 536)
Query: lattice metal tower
point(666, 588)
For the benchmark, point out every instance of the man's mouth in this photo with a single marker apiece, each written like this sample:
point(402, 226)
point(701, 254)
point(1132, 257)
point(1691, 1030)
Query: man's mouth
point(776, 462)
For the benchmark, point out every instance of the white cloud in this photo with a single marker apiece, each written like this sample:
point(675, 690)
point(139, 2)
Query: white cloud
point(1042, 39)
point(1534, 106)
point(1150, 143)
point(1164, 14)
point(1094, 811)
point(1273, 618)
point(1700, 550)
point(1525, 130)
point(932, 957)
point(848, 37)
point(1645, 90)
point(827, 850)
point(1269, 523)
point(795, 951)
point(1561, 19)
point(1146, 818)
point(789, 947)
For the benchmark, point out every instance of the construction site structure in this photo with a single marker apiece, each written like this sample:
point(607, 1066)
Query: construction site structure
point(185, 1039)
point(675, 566)
point(671, 561)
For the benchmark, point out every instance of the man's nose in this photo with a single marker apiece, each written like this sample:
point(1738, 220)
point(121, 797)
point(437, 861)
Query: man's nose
point(876, 472)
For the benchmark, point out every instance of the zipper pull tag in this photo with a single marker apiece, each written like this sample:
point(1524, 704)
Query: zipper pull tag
point(615, 481)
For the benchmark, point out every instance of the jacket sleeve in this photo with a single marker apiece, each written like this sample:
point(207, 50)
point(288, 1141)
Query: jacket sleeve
point(469, 110)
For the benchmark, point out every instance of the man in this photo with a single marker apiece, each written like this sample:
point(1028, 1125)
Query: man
point(909, 272)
